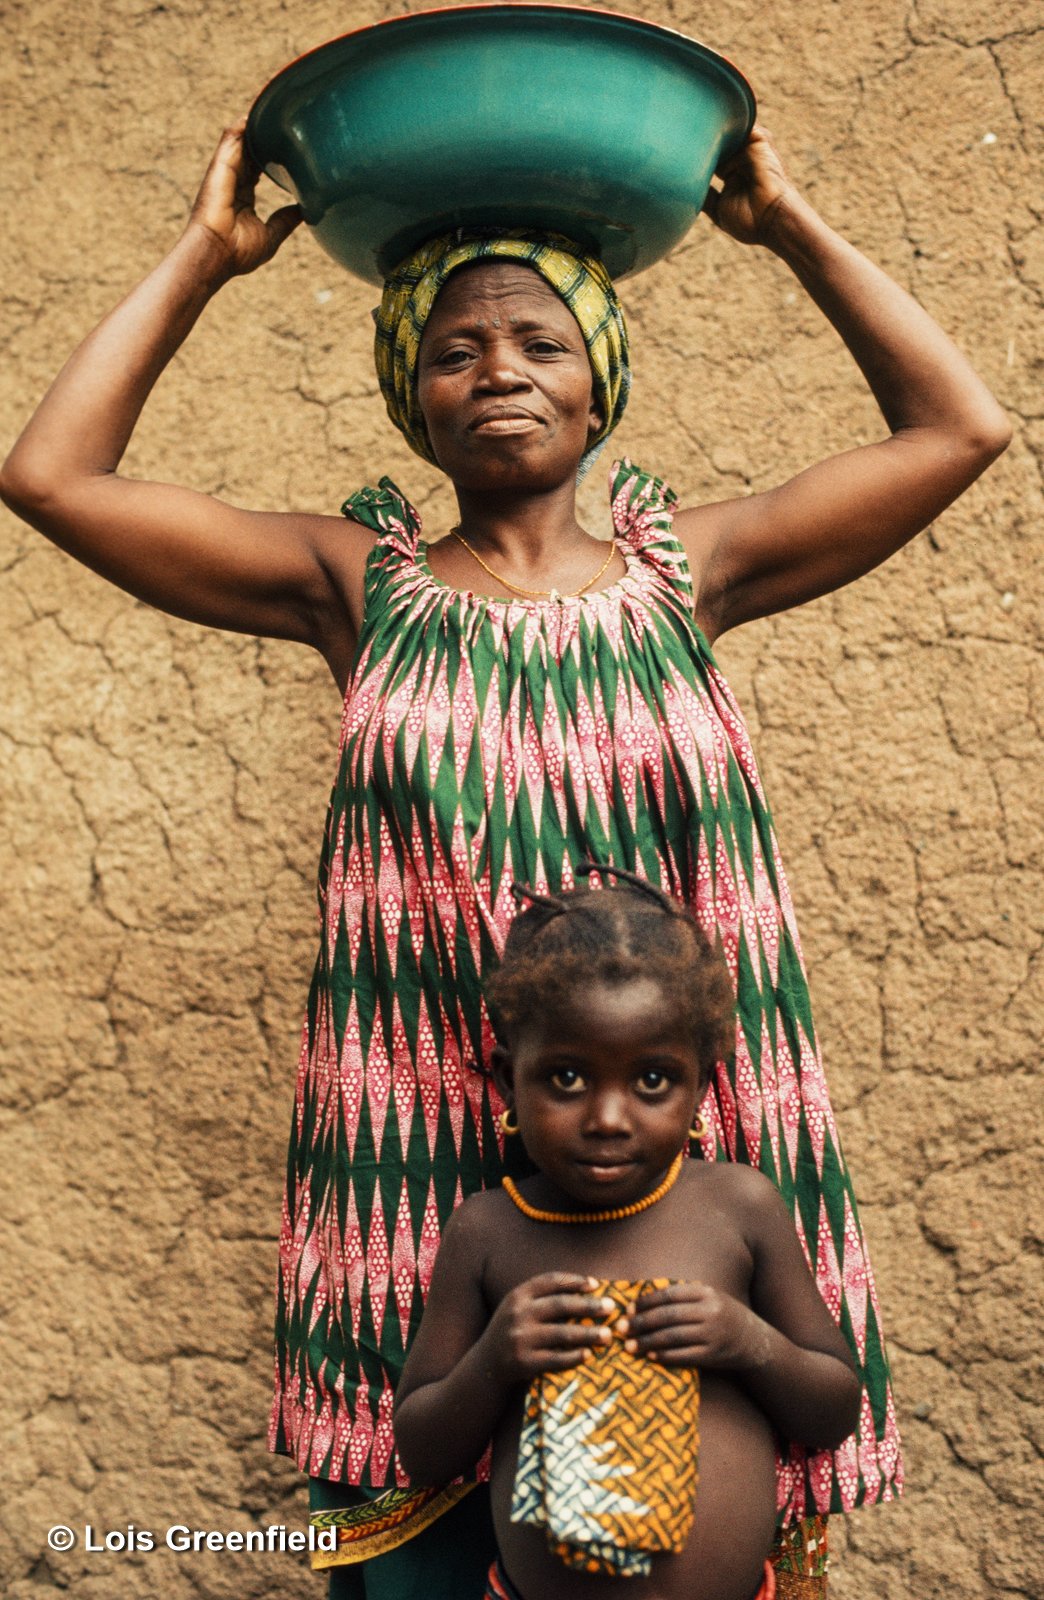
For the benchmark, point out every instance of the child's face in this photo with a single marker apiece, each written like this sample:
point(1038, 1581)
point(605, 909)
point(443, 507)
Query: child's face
point(605, 1096)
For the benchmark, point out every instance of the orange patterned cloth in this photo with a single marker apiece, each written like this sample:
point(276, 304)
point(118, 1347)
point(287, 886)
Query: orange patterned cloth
point(607, 1460)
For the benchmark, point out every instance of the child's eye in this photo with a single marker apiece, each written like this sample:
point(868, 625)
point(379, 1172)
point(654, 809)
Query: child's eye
point(567, 1080)
point(653, 1081)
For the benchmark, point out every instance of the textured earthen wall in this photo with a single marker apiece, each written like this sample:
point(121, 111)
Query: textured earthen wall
point(164, 786)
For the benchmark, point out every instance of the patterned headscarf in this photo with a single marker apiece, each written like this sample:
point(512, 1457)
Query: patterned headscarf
point(581, 280)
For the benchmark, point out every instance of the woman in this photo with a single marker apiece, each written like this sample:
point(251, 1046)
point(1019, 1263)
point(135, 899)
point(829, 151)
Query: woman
point(518, 696)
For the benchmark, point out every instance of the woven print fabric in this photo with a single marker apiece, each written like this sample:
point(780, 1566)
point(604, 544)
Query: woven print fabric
point(607, 1461)
point(487, 740)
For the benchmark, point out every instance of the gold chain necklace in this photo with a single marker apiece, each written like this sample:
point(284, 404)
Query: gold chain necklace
point(536, 1215)
point(537, 594)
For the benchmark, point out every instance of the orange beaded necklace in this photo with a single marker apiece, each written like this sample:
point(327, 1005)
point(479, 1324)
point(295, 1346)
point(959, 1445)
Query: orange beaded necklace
point(536, 1215)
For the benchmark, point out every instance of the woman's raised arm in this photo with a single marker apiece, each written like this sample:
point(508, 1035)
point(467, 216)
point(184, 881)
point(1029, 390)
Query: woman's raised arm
point(840, 518)
point(175, 548)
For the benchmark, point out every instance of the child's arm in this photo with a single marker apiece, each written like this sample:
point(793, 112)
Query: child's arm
point(464, 1364)
point(784, 1348)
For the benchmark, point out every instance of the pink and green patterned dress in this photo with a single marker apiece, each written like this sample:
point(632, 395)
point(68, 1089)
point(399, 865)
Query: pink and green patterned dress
point(483, 741)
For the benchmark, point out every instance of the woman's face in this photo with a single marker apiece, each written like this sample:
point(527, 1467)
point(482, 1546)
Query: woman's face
point(504, 380)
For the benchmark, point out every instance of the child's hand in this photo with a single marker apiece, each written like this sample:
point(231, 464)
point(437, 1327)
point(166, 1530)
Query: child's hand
point(693, 1325)
point(534, 1329)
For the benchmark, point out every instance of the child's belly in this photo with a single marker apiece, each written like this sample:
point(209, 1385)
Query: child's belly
point(732, 1534)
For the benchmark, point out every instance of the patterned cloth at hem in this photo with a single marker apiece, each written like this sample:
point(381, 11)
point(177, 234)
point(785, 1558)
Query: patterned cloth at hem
point(801, 1559)
point(383, 1523)
point(446, 1560)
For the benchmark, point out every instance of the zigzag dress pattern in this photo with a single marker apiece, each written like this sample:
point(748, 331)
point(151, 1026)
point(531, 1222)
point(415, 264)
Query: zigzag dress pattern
point(487, 740)
point(608, 1454)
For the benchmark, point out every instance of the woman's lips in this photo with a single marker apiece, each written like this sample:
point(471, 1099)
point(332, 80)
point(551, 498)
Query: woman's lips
point(506, 425)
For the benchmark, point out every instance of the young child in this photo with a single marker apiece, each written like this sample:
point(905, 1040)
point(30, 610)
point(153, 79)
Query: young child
point(611, 1010)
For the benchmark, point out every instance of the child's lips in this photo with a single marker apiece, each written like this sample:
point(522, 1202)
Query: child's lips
point(609, 1170)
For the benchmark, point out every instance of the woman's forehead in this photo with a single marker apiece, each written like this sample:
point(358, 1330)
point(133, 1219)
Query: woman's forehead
point(497, 286)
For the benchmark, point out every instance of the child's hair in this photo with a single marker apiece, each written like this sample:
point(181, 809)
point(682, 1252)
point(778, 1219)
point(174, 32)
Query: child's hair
point(626, 930)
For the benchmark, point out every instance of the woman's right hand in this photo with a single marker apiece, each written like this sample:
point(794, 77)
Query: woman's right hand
point(224, 208)
point(536, 1328)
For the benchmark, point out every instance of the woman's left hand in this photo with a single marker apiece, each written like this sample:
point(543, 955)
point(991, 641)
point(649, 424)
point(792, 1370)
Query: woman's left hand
point(693, 1325)
point(753, 184)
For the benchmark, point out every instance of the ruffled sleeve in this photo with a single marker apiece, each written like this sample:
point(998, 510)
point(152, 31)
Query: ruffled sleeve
point(643, 516)
point(387, 512)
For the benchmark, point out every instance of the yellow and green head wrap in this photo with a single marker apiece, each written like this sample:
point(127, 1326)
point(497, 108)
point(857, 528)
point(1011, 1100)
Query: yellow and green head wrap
point(581, 280)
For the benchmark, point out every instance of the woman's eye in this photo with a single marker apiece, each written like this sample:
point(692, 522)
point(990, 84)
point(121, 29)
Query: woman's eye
point(543, 347)
point(567, 1080)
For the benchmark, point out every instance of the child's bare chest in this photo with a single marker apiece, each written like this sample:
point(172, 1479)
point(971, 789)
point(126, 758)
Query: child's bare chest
point(689, 1236)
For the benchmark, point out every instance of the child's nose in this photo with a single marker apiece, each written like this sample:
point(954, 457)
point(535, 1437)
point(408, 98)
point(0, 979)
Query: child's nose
point(607, 1114)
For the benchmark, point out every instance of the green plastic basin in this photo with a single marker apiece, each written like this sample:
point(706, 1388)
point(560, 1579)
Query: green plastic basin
point(600, 126)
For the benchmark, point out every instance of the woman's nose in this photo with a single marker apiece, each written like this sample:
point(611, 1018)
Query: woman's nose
point(499, 371)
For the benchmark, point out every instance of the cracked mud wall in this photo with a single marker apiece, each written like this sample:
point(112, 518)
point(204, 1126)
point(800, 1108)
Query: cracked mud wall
point(164, 786)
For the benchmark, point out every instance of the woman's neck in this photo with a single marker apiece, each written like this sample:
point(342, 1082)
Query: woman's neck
point(524, 531)
point(527, 544)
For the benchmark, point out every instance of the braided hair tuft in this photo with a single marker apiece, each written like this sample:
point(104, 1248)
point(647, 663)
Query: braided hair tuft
point(618, 933)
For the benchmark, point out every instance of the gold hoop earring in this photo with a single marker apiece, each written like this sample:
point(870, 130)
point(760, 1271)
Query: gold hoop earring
point(504, 1123)
point(700, 1128)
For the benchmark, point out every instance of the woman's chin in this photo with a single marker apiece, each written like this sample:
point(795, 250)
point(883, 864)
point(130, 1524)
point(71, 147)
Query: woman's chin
point(509, 462)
